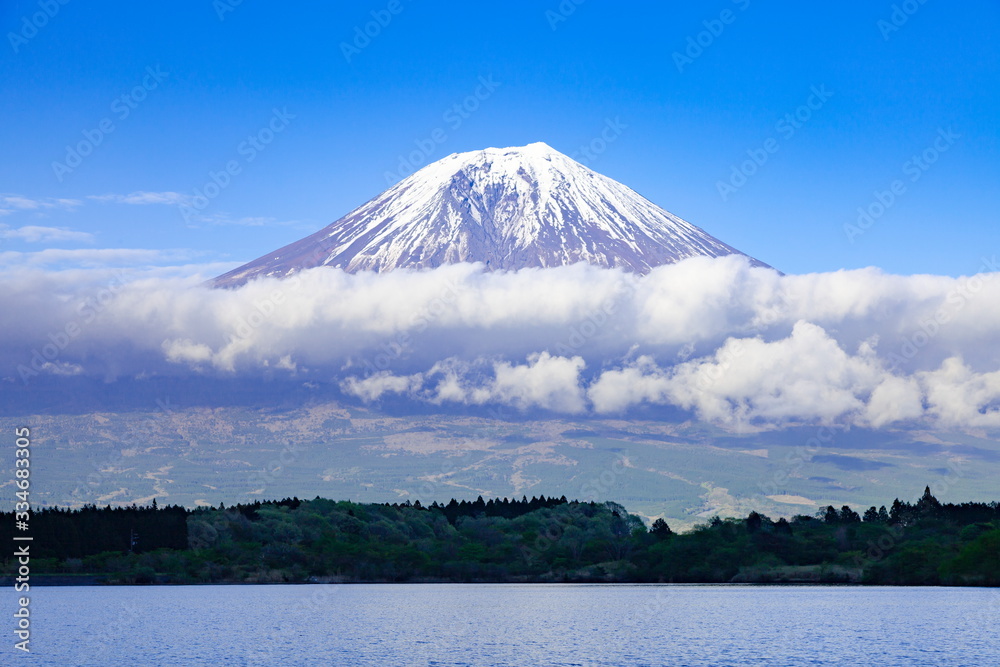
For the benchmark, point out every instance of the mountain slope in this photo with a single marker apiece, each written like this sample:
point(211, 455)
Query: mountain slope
point(508, 208)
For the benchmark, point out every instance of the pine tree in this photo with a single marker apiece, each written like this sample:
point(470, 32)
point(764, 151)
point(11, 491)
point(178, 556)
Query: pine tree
point(897, 511)
point(660, 529)
point(847, 515)
point(928, 504)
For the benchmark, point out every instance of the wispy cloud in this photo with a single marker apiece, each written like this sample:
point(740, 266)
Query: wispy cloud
point(10, 203)
point(249, 221)
point(94, 257)
point(142, 198)
point(225, 219)
point(38, 234)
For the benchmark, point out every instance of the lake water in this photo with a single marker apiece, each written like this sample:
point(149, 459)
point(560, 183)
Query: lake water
point(523, 625)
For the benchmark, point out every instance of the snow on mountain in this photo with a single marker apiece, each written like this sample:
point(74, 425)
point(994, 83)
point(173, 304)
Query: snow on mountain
point(508, 208)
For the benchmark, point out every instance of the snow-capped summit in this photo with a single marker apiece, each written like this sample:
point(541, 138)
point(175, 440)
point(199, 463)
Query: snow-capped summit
point(509, 208)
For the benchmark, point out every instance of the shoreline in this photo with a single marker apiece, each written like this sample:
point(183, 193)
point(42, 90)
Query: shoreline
point(99, 581)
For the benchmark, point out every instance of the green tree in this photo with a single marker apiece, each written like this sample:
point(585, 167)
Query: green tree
point(660, 529)
point(928, 505)
point(847, 515)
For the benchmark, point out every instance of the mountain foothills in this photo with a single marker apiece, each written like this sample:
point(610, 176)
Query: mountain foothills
point(683, 472)
point(508, 208)
point(500, 540)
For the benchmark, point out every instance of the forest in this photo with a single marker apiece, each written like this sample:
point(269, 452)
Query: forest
point(500, 540)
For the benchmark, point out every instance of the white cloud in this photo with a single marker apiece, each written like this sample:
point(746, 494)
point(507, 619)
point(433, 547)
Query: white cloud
point(142, 198)
point(250, 221)
point(186, 351)
point(92, 257)
point(805, 376)
point(551, 383)
point(545, 381)
point(895, 399)
point(730, 343)
point(642, 381)
point(61, 368)
point(12, 202)
point(373, 387)
point(225, 219)
point(959, 396)
point(37, 234)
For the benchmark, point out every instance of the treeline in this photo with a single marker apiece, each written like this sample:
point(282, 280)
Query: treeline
point(541, 539)
point(65, 533)
point(507, 509)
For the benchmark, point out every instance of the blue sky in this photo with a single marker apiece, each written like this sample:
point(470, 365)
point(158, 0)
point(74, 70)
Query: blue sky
point(309, 129)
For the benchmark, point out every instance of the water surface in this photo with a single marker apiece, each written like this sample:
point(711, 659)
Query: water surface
point(523, 625)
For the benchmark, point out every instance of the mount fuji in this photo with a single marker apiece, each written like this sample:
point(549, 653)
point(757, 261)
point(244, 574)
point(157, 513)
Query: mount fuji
point(509, 208)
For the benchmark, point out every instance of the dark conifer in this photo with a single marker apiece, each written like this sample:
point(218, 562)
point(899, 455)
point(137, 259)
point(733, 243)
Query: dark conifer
point(660, 529)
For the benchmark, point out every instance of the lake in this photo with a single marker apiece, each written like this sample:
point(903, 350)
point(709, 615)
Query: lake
point(504, 624)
